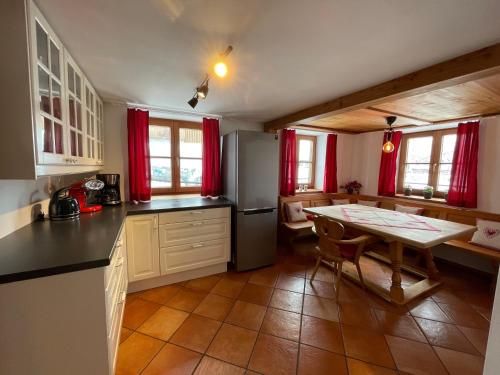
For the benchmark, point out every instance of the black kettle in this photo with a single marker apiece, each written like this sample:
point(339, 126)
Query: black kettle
point(63, 206)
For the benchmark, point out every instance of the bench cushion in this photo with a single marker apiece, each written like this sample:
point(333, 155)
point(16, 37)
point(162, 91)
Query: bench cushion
point(408, 209)
point(487, 234)
point(295, 212)
point(338, 202)
point(300, 225)
point(368, 203)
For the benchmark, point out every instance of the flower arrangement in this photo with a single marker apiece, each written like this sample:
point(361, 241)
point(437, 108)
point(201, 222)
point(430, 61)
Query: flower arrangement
point(352, 186)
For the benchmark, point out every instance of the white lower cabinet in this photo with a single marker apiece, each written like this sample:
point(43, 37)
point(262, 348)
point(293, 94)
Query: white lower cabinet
point(194, 255)
point(182, 241)
point(67, 323)
point(115, 291)
point(143, 255)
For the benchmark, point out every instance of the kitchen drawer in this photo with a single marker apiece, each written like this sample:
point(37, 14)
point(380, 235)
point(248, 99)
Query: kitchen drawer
point(113, 292)
point(193, 231)
point(118, 256)
point(114, 331)
point(190, 256)
point(194, 215)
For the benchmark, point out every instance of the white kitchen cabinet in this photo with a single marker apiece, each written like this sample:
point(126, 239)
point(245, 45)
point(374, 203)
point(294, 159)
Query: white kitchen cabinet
point(43, 92)
point(67, 323)
point(194, 238)
point(143, 256)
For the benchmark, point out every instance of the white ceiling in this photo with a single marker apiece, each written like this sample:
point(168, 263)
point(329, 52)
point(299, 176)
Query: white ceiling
point(288, 54)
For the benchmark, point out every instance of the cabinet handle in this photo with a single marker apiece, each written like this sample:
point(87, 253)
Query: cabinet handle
point(197, 224)
point(122, 299)
point(119, 262)
point(119, 243)
point(194, 246)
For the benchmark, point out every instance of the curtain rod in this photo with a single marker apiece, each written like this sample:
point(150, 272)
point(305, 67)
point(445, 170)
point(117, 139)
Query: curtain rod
point(165, 110)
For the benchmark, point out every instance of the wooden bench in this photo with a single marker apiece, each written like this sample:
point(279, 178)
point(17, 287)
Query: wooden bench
point(431, 209)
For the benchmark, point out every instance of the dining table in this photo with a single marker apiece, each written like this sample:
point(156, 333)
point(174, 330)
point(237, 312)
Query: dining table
point(400, 231)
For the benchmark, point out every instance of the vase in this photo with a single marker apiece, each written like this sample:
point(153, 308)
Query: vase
point(408, 192)
point(349, 191)
point(428, 194)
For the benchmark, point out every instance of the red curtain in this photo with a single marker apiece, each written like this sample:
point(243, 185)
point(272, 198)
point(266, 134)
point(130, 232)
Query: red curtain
point(463, 181)
point(288, 163)
point(210, 171)
point(330, 179)
point(139, 165)
point(387, 174)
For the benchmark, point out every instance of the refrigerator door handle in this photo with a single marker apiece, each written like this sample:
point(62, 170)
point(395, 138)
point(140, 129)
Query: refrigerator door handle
point(256, 211)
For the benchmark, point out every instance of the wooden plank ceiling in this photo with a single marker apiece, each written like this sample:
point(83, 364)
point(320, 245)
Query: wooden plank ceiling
point(464, 87)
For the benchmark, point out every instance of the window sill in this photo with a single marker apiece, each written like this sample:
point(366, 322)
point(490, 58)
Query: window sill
point(173, 196)
point(420, 198)
point(309, 191)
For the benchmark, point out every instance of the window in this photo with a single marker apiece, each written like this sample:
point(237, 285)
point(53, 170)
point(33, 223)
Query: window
point(306, 155)
point(175, 150)
point(426, 159)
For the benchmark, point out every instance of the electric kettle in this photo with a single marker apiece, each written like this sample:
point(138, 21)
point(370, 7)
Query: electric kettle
point(63, 206)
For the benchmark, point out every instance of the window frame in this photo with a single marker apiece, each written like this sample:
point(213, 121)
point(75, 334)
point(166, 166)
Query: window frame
point(434, 164)
point(175, 158)
point(298, 137)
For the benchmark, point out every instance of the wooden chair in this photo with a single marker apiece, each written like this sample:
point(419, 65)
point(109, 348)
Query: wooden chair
point(332, 248)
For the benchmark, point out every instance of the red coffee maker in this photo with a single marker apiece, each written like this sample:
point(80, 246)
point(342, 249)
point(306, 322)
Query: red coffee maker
point(80, 189)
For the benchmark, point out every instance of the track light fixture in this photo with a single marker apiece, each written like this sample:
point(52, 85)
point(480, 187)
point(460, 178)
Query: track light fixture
point(388, 146)
point(220, 70)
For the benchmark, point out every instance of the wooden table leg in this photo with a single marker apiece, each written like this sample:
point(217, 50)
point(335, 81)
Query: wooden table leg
point(432, 270)
point(397, 292)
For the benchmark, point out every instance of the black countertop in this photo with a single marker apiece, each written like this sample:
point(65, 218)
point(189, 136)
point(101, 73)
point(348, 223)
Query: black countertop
point(54, 247)
point(180, 204)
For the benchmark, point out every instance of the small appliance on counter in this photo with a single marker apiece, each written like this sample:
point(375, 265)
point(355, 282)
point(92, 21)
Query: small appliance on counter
point(63, 206)
point(110, 194)
point(82, 190)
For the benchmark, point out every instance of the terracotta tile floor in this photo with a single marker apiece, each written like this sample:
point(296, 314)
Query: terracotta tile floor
point(274, 321)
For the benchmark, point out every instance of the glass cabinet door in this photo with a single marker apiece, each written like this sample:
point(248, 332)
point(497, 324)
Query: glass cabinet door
point(100, 131)
point(48, 85)
point(91, 123)
point(74, 80)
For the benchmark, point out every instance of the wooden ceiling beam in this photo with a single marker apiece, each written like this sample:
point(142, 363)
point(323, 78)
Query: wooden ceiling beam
point(471, 66)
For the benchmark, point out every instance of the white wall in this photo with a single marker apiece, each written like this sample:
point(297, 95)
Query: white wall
point(22, 200)
point(488, 180)
point(115, 144)
point(365, 156)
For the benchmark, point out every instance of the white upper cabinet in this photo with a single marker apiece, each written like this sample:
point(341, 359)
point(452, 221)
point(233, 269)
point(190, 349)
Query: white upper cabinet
point(75, 105)
point(54, 121)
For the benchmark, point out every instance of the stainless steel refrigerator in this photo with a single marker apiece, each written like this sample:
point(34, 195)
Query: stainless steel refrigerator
point(250, 165)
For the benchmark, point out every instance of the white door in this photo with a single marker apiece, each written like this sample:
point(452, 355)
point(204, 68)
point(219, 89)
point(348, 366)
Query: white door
point(143, 253)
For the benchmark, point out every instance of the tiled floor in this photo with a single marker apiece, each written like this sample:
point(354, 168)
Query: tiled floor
point(274, 321)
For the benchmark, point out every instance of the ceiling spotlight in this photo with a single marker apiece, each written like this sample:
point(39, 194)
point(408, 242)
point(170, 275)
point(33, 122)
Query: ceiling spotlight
point(193, 102)
point(220, 68)
point(388, 146)
point(202, 90)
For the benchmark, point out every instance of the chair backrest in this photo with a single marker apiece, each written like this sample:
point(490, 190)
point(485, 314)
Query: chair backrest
point(328, 230)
